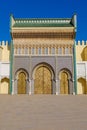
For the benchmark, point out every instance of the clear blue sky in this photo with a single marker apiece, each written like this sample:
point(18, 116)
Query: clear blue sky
point(44, 9)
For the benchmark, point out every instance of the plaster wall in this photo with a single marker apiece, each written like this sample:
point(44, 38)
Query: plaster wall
point(5, 69)
point(81, 77)
point(79, 50)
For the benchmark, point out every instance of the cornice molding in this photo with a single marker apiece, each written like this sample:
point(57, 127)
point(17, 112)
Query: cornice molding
point(68, 35)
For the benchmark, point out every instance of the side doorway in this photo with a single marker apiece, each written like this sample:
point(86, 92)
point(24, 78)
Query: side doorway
point(65, 77)
point(22, 77)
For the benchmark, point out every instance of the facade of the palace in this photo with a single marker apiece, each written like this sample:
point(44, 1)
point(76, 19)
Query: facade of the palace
point(43, 58)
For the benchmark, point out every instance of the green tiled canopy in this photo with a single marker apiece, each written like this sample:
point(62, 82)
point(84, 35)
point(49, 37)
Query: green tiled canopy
point(56, 22)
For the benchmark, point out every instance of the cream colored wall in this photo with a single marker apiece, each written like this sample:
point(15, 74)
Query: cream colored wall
point(81, 85)
point(4, 88)
point(5, 52)
point(4, 63)
point(79, 88)
point(79, 48)
point(1, 53)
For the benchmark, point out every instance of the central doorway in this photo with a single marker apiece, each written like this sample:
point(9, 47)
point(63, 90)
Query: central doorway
point(43, 80)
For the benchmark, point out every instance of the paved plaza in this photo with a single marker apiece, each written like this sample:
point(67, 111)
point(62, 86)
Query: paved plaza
point(43, 112)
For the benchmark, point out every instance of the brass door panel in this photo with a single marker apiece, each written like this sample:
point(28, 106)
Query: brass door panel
point(22, 83)
point(47, 81)
point(43, 83)
point(39, 81)
point(64, 83)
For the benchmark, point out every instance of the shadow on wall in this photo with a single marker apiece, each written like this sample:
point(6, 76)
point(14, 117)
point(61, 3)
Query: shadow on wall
point(84, 54)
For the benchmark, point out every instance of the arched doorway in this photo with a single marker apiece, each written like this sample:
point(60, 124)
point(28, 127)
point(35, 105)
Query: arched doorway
point(21, 82)
point(4, 87)
point(64, 82)
point(43, 80)
point(84, 54)
point(81, 84)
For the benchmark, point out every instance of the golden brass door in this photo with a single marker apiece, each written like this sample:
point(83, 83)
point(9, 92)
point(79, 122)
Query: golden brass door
point(64, 83)
point(39, 81)
point(43, 83)
point(21, 83)
point(47, 81)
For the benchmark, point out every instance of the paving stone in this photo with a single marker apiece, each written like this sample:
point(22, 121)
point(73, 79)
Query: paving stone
point(43, 112)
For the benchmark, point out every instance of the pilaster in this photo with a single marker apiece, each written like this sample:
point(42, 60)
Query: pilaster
point(12, 87)
point(30, 83)
point(75, 73)
point(57, 87)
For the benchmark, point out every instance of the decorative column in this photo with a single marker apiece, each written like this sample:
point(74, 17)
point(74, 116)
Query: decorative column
point(57, 92)
point(75, 74)
point(30, 86)
point(86, 87)
point(30, 81)
point(57, 79)
point(71, 88)
point(57, 87)
point(11, 66)
point(12, 87)
point(48, 50)
point(27, 86)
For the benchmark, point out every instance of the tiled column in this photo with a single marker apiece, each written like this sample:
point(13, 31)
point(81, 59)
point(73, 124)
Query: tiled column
point(57, 87)
point(30, 87)
point(12, 87)
point(27, 86)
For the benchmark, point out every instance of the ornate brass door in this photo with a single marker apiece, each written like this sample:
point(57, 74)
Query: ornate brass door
point(47, 81)
point(39, 81)
point(64, 83)
point(21, 83)
point(43, 83)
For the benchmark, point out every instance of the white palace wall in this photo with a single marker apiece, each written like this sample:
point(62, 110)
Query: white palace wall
point(81, 67)
point(4, 67)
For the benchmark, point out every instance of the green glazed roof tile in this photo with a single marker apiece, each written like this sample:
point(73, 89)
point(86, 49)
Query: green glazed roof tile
point(43, 22)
